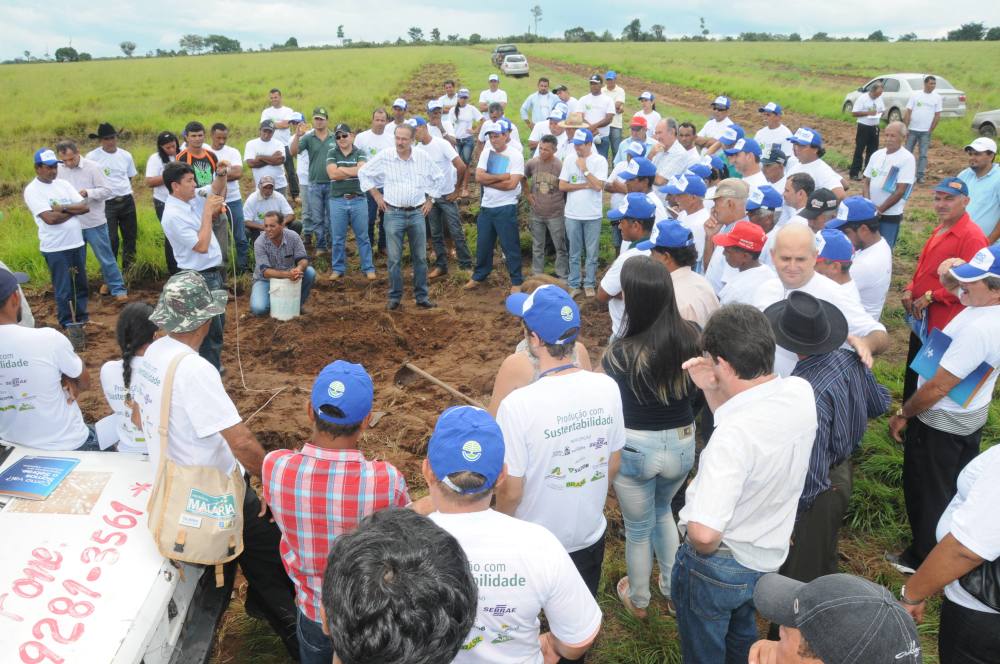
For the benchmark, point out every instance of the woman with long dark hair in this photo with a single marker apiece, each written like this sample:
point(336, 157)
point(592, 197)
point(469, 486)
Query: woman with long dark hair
point(645, 361)
point(167, 147)
point(134, 333)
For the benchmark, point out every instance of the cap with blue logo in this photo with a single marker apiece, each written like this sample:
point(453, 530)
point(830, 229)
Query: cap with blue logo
point(745, 145)
point(682, 184)
point(297, 117)
point(492, 127)
point(722, 101)
point(557, 115)
point(855, 209)
point(506, 126)
point(764, 196)
point(415, 121)
point(346, 387)
point(986, 263)
point(548, 311)
point(647, 96)
point(399, 103)
point(732, 134)
point(46, 157)
point(638, 167)
point(635, 206)
point(770, 107)
point(953, 186)
point(635, 149)
point(670, 233)
point(806, 136)
point(582, 137)
point(833, 245)
point(703, 171)
point(466, 439)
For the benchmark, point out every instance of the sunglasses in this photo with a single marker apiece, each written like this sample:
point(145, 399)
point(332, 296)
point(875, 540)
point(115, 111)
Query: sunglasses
point(340, 136)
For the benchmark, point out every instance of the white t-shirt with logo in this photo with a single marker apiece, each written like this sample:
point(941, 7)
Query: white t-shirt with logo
point(869, 105)
point(560, 433)
point(130, 439)
point(33, 407)
point(742, 286)
point(154, 169)
point(521, 569)
point(257, 206)
point(489, 96)
point(371, 143)
point(595, 108)
point(923, 106)
point(199, 409)
point(443, 154)
point(260, 148)
point(611, 284)
point(493, 197)
point(871, 271)
point(282, 113)
point(975, 338)
point(40, 197)
point(118, 167)
point(822, 174)
point(769, 138)
point(901, 166)
point(232, 155)
point(617, 95)
point(584, 204)
point(714, 128)
point(464, 118)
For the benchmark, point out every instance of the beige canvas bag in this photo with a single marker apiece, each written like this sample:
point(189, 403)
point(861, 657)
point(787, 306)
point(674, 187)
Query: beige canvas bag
point(195, 512)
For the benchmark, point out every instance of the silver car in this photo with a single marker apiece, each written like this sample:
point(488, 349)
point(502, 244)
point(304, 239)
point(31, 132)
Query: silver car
point(897, 90)
point(515, 65)
point(986, 123)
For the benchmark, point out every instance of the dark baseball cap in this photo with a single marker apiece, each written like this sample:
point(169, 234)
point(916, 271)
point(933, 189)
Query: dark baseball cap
point(820, 202)
point(9, 281)
point(267, 124)
point(844, 618)
point(775, 156)
point(342, 128)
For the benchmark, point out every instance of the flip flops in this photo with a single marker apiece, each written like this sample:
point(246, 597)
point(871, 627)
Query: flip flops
point(623, 589)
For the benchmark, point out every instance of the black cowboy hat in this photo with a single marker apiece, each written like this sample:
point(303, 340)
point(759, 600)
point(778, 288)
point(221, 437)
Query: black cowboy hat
point(105, 130)
point(806, 325)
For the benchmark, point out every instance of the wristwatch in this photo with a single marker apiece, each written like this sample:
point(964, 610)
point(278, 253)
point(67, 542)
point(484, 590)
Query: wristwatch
point(929, 295)
point(908, 602)
point(899, 413)
point(586, 174)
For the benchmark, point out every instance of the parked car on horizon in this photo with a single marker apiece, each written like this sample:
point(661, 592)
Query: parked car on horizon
point(500, 52)
point(515, 65)
point(986, 122)
point(897, 90)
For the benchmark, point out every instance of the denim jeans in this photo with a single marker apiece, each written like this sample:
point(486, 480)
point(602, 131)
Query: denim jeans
point(319, 203)
point(307, 223)
point(260, 293)
point(92, 444)
point(584, 236)
point(408, 224)
point(492, 224)
point(211, 347)
point(924, 138)
point(100, 244)
point(239, 232)
point(121, 216)
point(291, 175)
point(69, 281)
point(374, 214)
point(315, 647)
point(715, 613)
point(616, 237)
point(888, 226)
point(466, 146)
point(615, 140)
point(446, 212)
point(352, 212)
point(654, 465)
point(556, 227)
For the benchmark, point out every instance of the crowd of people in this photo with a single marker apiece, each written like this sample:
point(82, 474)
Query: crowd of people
point(745, 302)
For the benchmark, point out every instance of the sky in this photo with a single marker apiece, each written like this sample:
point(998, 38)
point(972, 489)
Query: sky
point(98, 26)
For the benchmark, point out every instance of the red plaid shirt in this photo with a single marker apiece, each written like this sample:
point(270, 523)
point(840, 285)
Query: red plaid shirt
point(316, 495)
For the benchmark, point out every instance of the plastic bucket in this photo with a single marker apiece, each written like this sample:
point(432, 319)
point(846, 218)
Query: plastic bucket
point(286, 297)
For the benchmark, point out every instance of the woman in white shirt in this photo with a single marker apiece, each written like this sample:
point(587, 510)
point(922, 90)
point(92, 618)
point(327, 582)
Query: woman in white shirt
point(167, 147)
point(647, 99)
point(134, 333)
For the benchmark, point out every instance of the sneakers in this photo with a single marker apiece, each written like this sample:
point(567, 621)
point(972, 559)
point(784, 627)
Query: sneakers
point(589, 292)
point(77, 337)
point(426, 304)
point(899, 563)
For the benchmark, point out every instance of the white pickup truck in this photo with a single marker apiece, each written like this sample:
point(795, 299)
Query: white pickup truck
point(81, 581)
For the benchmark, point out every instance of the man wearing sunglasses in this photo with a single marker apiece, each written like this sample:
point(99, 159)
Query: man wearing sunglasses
point(348, 205)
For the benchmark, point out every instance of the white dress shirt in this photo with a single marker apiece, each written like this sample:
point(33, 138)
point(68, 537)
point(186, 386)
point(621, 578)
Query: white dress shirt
point(88, 175)
point(406, 182)
point(181, 222)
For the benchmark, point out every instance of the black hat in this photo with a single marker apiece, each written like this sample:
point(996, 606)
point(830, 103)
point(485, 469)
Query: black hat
point(343, 127)
point(806, 325)
point(820, 202)
point(775, 156)
point(105, 130)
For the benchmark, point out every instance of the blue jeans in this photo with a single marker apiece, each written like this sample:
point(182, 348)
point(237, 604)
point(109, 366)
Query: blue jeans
point(584, 236)
point(307, 223)
point(466, 146)
point(715, 612)
point(315, 647)
point(924, 138)
point(69, 281)
point(446, 212)
point(92, 445)
point(615, 136)
point(260, 294)
point(888, 226)
point(654, 465)
point(239, 234)
point(408, 224)
point(319, 201)
point(354, 213)
point(373, 214)
point(493, 224)
point(100, 244)
point(211, 347)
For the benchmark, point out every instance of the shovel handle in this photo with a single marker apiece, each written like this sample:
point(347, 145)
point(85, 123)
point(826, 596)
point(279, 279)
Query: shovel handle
point(444, 386)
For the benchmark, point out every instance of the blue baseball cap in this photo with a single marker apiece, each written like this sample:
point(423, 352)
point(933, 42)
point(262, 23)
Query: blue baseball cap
point(853, 209)
point(745, 145)
point(770, 107)
point(47, 157)
point(582, 137)
point(297, 117)
point(345, 386)
point(701, 170)
point(611, 74)
point(557, 115)
point(548, 311)
point(466, 439)
point(636, 206)
point(986, 263)
point(953, 186)
point(506, 126)
point(715, 161)
point(731, 135)
point(647, 96)
point(806, 136)
point(492, 127)
point(635, 149)
point(721, 100)
point(682, 184)
point(9, 281)
point(833, 245)
point(669, 233)
point(638, 167)
point(415, 121)
point(764, 196)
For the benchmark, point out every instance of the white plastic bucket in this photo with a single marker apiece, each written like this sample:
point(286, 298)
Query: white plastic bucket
point(286, 297)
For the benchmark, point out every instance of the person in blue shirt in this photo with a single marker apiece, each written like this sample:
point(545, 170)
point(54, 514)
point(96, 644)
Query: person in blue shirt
point(982, 177)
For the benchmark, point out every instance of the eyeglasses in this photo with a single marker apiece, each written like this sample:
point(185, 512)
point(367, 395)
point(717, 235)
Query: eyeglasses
point(340, 136)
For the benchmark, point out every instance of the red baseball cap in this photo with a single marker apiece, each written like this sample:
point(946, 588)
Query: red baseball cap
point(638, 121)
point(745, 235)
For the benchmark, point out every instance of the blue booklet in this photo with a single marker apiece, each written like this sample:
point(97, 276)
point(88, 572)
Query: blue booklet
point(35, 478)
point(497, 164)
point(926, 365)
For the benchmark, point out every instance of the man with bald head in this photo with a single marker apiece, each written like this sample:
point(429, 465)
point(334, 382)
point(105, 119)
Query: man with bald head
point(794, 258)
point(890, 172)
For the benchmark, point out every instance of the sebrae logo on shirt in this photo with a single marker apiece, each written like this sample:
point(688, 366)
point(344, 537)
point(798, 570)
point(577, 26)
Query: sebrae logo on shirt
point(107, 171)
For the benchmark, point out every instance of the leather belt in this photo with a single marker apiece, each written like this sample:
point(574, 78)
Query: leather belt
point(404, 209)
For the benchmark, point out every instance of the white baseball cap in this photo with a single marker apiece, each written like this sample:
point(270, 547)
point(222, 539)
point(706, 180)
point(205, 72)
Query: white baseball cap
point(494, 77)
point(983, 144)
point(400, 103)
